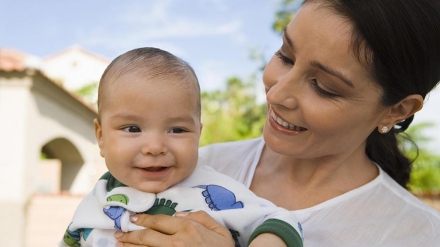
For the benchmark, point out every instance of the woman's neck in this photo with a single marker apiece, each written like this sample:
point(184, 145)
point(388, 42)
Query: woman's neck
point(303, 183)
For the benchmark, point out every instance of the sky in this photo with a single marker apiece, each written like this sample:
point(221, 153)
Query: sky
point(215, 36)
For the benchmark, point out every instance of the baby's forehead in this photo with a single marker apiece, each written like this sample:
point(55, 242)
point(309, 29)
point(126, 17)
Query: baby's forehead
point(148, 77)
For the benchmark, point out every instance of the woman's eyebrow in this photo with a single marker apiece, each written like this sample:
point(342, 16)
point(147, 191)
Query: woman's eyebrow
point(318, 64)
point(332, 72)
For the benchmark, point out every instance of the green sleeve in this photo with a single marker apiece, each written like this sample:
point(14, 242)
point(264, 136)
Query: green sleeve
point(280, 228)
point(112, 182)
point(106, 176)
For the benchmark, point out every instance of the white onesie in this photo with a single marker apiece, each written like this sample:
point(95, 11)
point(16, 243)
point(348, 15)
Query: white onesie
point(108, 207)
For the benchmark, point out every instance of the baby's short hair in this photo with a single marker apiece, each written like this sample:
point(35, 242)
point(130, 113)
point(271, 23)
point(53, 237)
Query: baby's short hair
point(147, 62)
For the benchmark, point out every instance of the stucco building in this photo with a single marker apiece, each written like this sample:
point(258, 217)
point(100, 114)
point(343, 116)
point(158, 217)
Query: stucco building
point(75, 68)
point(47, 144)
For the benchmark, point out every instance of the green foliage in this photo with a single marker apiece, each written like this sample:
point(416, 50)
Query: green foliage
point(88, 91)
point(425, 176)
point(232, 114)
point(284, 14)
point(43, 156)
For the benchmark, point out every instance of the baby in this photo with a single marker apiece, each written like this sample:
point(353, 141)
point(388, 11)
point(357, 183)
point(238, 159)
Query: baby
point(148, 131)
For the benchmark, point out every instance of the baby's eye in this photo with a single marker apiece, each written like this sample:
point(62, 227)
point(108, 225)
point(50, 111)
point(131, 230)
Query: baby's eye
point(132, 129)
point(177, 131)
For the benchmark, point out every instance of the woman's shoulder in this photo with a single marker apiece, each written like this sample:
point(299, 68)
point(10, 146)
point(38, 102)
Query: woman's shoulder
point(384, 213)
point(414, 204)
point(408, 214)
point(235, 150)
point(236, 159)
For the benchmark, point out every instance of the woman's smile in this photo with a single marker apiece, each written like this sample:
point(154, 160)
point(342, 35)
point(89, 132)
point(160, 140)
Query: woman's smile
point(281, 125)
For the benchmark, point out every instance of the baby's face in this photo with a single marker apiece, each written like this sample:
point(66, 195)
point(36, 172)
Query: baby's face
point(149, 131)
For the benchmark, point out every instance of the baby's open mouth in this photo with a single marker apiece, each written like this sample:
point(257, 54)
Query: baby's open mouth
point(155, 169)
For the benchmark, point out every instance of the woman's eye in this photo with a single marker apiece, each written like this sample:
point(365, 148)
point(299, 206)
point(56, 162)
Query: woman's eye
point(177, 131)
point(321, 91)
point(285, 60)
point(132, 129)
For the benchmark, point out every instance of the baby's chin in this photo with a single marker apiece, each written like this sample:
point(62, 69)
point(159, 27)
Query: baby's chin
point(152, 186)
point(151, 180)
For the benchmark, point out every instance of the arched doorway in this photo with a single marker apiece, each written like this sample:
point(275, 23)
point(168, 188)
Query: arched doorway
point(69, 159)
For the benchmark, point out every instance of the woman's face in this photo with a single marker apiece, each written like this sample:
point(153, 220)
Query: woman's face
point(322, 100)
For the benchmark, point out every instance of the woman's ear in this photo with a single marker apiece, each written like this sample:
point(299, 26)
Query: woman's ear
point(401, 111)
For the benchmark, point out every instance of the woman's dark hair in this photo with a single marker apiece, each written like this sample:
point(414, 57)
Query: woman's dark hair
point(400, 42)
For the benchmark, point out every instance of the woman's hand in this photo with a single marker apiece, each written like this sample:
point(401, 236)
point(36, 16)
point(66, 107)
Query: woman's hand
point(185, 229)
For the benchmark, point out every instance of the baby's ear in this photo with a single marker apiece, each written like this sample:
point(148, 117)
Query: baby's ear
point(404, 109)
point(98, 135)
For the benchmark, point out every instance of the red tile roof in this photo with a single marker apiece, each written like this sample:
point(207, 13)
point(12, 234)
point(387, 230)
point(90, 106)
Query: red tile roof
point(12, 60)
point(79, 49)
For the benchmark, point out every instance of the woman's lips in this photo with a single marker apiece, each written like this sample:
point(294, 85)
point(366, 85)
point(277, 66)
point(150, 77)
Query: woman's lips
point(284, 124)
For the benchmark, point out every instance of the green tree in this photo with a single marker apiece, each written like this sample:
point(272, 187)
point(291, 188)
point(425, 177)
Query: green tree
point(425, 176)
point(232, 114)
point(88, 92)
point(284, 14)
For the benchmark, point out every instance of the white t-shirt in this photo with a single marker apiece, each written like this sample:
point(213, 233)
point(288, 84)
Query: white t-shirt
point(380, 213)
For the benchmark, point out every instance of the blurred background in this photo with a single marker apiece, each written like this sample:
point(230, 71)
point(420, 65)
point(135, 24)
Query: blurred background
point(52, 54)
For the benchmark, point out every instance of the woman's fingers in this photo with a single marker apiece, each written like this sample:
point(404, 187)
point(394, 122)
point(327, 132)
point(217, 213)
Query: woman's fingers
point(120, 244)
point(207, 221)
point(193, 229)
point(146, 237)
point(162, 223)
point(157, 232)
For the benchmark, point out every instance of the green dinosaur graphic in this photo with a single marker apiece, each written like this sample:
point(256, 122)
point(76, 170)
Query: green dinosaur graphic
point(118, 198)
point(162, 206)
point(71, 240)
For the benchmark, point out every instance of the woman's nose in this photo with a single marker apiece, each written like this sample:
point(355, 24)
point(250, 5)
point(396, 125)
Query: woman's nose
point(281, 88)
point(154, 145)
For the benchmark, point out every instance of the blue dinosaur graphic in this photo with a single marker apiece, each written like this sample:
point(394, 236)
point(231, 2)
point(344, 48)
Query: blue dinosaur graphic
point(115, 213)
point(219, 198)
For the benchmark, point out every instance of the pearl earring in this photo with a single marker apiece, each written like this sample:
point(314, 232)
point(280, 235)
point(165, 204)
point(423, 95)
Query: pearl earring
point(385, 129)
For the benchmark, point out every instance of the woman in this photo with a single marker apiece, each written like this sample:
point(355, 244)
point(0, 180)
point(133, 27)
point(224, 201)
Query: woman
point(349, 76)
